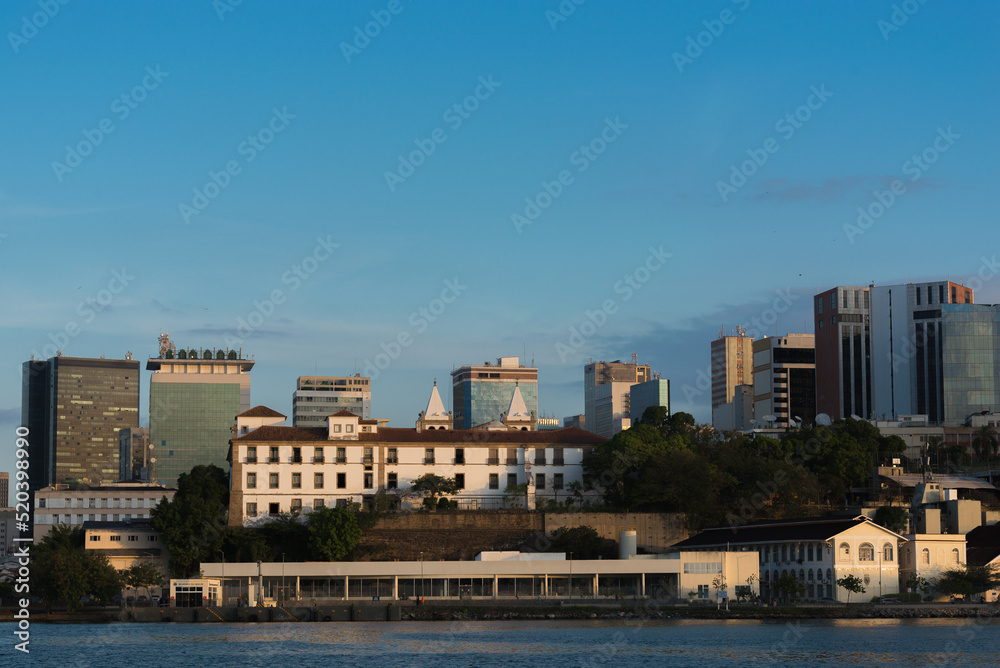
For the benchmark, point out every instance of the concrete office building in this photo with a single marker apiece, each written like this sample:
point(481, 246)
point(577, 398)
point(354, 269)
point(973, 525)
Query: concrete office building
point(480, 393)
point(737, 414)
point(732, 365)
point(4, 489)
point(842, 317)
point(907, 347)
point(74, 408)
point(784, 379)
point(61, 504)
point(193, 398)
point(8, 531)
point(608, 408)
point(316, 397)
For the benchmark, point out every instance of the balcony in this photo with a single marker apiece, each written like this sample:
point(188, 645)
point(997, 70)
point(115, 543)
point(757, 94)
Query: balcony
point(428, 460)
point(391, 460)
point(512, 461)
point(297, 460)
point(341, 459)
point(539, 460)
point(558, 461)
point(493, 461)
point(318, 460)
point(273, 460)
point(459, 460)
point(251, 460)
point(368, 459)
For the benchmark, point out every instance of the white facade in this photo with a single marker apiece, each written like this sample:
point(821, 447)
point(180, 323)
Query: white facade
point(58, 504)
point(930, 555)
point(316, 397)
point(285, 469)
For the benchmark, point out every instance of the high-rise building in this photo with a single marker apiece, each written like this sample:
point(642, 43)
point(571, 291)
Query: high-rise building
point(784, 379)
point(970, 361)
point(654, 392)
point(843, 352)
point(194, 398)
point(908, 332)
point(732, 365)
point(4, 489)
point(136, 456)
point(614, 400)
point(73, 409)
point(480, 393)
point(317, 397)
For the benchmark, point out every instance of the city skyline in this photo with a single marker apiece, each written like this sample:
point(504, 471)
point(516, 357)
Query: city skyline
point(430, 185)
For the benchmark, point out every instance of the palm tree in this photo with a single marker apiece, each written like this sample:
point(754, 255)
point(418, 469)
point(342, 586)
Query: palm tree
point(984, 441)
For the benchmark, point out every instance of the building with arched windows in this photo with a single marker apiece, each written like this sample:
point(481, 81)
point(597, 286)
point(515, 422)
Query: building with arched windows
point(815, 551)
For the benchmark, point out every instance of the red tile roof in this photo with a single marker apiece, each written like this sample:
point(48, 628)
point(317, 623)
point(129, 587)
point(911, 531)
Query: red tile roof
point(471, 437)
point(343, 412)
point(261, 411)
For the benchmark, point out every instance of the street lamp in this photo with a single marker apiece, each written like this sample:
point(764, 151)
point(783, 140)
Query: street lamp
point(571, 577)
point(421, 575)
point(281, 596)
point(223, 577)
point(260, 585)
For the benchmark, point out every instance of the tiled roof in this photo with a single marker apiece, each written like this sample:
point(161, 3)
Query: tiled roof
point(808, 529)
point(471, 437)
point(343, 412)
point(260, 411)
point(982, 544)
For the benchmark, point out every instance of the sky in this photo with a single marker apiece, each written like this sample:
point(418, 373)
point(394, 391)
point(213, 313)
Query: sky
point(402, 187)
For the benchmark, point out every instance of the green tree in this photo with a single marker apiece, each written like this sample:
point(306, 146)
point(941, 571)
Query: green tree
point(142, 574)
point(917, 584)
point(984, 441)
point(194, 522)
point(968, 580)
point(432, 486)
point(512, 492)
point(63, 571)
point(852, 584)
point(789, 586)
point(333, 533)
point(893, 518)
point(582, 542)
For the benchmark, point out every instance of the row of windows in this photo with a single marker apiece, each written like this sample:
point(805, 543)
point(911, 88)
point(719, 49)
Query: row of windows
point(866, 552)
point(114, 538)
point(43, 502)
point(392, 456)
point(392, 480)
point(80, 519)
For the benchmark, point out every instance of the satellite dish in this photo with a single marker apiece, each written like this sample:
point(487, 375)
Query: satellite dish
point(823, 420)
point(770, 418)
point(856, 417)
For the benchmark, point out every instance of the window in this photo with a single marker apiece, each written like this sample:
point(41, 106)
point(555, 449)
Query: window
point(318, 481)
point(918, 295)
point(703, 591)
point(296, 505)
point(940, 294)
point(297, 455)
point(557, 481)
point(429, 456)
point(844, 551)
point(336, 429)
point(274, 481)
point(845, 298)
point(460, 480)
point(494, 481)
point(968, 297)
point(819, 306)
point(296, 481)
point(459, 455)
point(925, 557)
point(809, 553)
point(512, 456)
point(251, 510)
point(115, 539)
point(319, 503)
point(152, 539)
point(540, 481)
point(887, 552)
point(512, 480)
point(368, 480)
point(391, 482)
point(274, 455)
point(954, 552)
point(833, 300)
point(391, 456)
point(251, 481)
point(341, 481)
point(866, 552)
point(350, 428)
point(133, 539)
point(539, 456)
point(273, 509)
point(318, 455)
point(954, 297)
point(95, 539)
point(557, 457)
point(252, 454)
point(341, 455)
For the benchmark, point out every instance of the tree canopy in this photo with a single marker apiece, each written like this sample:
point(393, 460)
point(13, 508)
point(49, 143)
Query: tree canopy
point(333, 533)
point(194, 521)
point(62, 570)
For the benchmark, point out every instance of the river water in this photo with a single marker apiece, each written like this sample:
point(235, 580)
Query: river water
point(550, 643)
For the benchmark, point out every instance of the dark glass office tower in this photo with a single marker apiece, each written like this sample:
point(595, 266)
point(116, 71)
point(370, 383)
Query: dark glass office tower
point(73, 408)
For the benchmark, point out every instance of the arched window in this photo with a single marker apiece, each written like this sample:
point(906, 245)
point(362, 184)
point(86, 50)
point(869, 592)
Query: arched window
point(954, 557)
point(925, 557)
point(887, 552)
point(784, 553)
point(844, 551)
point(802, 575)
point(809, 554)
point(810, 575)
point(866, 552)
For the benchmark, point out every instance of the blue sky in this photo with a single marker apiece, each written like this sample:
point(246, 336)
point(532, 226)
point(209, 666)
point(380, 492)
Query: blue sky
point(619, 123)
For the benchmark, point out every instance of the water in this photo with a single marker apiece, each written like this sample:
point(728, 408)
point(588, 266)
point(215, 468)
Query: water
point(562, 644)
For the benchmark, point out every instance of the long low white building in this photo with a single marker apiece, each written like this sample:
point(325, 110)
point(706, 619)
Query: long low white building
point(280, 469)
point(668, 578)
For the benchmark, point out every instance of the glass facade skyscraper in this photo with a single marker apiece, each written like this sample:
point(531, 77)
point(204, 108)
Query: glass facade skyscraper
point(970, 353)
point(481, 393)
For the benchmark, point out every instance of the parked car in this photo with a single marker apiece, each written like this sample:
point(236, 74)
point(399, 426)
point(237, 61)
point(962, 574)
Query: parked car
point(889, 599)
point(154, 598)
